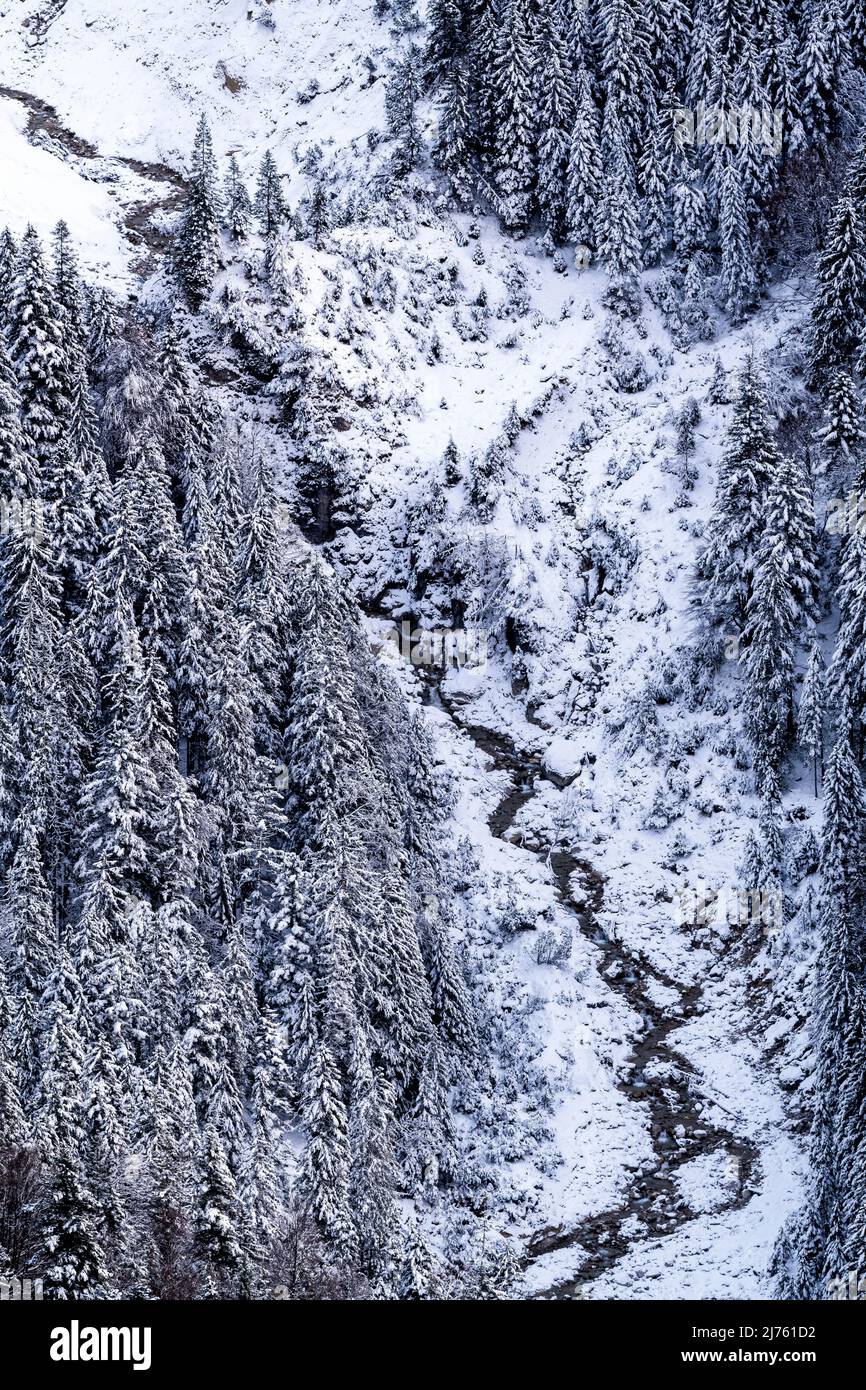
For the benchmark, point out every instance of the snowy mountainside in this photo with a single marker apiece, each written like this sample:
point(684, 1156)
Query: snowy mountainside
point(429, 327)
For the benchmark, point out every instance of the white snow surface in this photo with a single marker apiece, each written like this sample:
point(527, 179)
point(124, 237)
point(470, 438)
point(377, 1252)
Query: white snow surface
point(132, 80)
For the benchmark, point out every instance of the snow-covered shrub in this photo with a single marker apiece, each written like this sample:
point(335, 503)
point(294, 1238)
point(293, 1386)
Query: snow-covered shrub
point(551, 947)
point(637, 726)
point(802, 854)
point(663, 810)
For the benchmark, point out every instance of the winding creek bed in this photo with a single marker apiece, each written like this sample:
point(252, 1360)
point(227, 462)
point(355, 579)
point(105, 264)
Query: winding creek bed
point(658, 1077)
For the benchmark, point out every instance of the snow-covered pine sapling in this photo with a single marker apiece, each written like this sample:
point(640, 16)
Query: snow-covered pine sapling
point(319, 215)
point(453, 471)
point(719, 389)
point(687, 422)
point(237, 204)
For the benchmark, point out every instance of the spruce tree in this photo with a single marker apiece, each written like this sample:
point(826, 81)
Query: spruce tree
point(19, 475)
point(735, 529)
point(8, 262)
point(846, 682)
point(738, 277)
point(617, 227)
point(828, 1232)
point(269, 206)
point(689, 209)
point(771, 620)
point(36, 350)
point(839, 307)
point(403, 94)
point(625, 64)
point(827, 73)
point(446, 37)
point(197, 252)
point(515, 167)
point(372, 1173)
point(72, 1258)
point(455, 135)
point(842, 431)
point(319, 211)
point(217, 1242)
point(810, 714)
point(238, 208)
point(556, 117)
point(30, 942)
point(584, 175)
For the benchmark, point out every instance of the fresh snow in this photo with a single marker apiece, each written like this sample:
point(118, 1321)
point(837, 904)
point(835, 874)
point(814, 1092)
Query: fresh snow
point(132, 80)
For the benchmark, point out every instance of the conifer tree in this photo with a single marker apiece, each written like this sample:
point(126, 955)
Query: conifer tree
point(584, 176)
point(455, 135)
point(102, 331)
point(36, 350)
point(556, 116)
point(372, 1173)
point(319, 212)
point(19, 476)
point(30, 627)
point(446, 36)
point(197, 254)
point(810, 714)
point(625, 64)
point(846, 681)
point(481, 84)
point(30, 937)
point(58, 1100)
point(617, 226)
point(738, 277)
point(327, 1157)
point(736, 524)
point(403, 94)
point(827, 1233)
point(842, 431)
point(8, 262)
point(67, 282)
point(827, 72)
point(654, 182)
point(13, 1127)
point(839, 307)
point(73, 1260)
point(269, 206)
point(689, 209)
point(513, 78)
point(668, 31)
point(416, 1280)
point(771, 618)
point(217, 1238)
point(238, 208)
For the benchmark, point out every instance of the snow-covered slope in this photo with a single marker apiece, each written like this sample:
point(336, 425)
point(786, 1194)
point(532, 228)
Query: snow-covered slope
point(626, 787)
